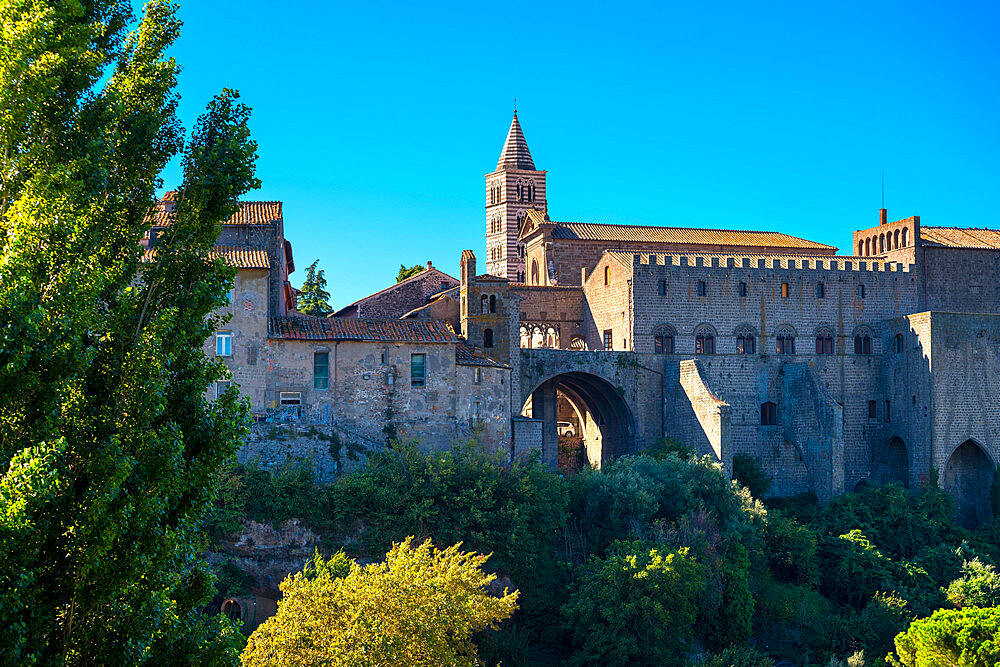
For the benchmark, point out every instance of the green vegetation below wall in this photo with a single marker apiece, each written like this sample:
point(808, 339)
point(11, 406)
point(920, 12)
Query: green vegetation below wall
point(656, 559)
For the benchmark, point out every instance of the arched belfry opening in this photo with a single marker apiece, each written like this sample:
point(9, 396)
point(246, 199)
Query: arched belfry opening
point(968, 478)
point(585, 421)
point(892, 463)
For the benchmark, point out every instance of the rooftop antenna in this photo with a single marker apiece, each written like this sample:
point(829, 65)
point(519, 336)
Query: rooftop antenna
point(515, 106)
point(883, 185)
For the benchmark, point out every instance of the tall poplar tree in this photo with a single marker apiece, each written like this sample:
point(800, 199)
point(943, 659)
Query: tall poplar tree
point(109, 449)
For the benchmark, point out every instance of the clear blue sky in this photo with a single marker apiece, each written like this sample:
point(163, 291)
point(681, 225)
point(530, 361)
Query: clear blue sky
point(377, 121)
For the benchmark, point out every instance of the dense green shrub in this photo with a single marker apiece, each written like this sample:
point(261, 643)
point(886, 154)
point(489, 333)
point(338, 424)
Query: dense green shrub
point(738, 656)
point(964, 638)
point(248, 491)
point(979, 586)
point(873, 628)
point(636, 606)
point(748, 471)
point(730, 621)
point(790, 549)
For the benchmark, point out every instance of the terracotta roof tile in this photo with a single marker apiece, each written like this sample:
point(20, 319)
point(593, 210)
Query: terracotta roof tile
point(745, 260)
point(249, 213)
point(587, 231)
point(490, 278)
point(470, 356)
point(241, 257)
point(958, 237)
point(303, 327)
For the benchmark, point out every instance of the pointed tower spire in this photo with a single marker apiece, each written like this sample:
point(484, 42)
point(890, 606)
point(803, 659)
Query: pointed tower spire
point(515, 153)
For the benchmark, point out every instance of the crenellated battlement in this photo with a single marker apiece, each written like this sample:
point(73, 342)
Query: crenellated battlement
point(827, 264)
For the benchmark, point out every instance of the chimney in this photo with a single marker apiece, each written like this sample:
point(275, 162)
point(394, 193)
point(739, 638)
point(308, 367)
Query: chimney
point(883, 216)
point(429, 265)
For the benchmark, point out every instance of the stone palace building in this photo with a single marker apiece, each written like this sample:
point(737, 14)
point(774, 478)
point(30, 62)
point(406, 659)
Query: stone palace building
point(597, 340)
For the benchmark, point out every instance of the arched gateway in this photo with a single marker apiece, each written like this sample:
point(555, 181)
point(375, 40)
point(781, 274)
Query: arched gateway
point(968, 477)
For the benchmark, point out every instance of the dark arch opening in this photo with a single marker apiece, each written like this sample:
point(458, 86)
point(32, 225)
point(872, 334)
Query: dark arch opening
point(892, 463)
point(968, 478)
point(487, 337)
point(585, 421)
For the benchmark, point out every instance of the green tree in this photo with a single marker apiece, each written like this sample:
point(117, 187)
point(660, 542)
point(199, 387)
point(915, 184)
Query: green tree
point(419, 607)
point(637, 606)
point(313, 298)
point(964, 638)
point(405, 273)
point(979, 586)
point(108, 447)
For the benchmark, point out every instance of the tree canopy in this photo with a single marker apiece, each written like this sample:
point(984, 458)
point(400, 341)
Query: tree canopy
point(313, 297)
point(420, 607)
point(108, 446)
point(405, 273)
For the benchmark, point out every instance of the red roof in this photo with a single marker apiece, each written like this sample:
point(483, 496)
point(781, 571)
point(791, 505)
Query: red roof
point(249, 213)
point(241, 257)
point(470, 356)
point(304, 327)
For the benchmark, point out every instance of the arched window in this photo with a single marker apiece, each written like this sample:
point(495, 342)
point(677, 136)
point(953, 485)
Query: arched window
point(704, 340)
point(484, 305)
point(785, 340)
point(534, 272)
point(868, 247)
point(905, 234)
point(881, 243)
point(663, 340)
point(861, 248)
point(862, 340)
point(493, 303)
point(607, 275)
point(895, 240)
point(746, 340)
point(824, 340)
point(897, 343)
point(487, 337)
point(768, 414)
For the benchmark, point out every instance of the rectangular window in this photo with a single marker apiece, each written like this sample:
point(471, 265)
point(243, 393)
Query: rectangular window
point(743, 289)
point(477, 376)
point(861, 291)
point(607, 339)
point(784, 290)
point(321, 370)
point(607, 275)
point(224, 343)
point(701, 288)
point(221, 387)
point(820, 291)
point(661, 288)
point(872, 410)
point(418, 370)
point(290, 398)
point(888, 411)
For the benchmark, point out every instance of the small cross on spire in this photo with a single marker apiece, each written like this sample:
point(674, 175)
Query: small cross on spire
point(515, 106)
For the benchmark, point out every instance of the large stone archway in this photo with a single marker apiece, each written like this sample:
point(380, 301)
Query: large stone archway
point(892, 463)
point(595, 409)
point(968, 478)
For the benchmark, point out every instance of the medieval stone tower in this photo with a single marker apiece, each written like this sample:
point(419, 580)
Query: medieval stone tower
point(511, 190)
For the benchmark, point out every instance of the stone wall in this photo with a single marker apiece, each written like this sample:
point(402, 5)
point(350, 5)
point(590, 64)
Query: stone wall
point(248, 326)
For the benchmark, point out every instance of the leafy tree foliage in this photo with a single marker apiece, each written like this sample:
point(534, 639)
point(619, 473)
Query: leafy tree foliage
point(748, 471)
point(420, 607)
point(965, 638)
point(979, 586)
point(313, 298)
point(635, 606)
point(108, 447)
point(405, 273)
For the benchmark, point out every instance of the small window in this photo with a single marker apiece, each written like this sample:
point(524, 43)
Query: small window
point(897, 343)
point(784, 290)
point(742, 290)
point(290, 398)
point(475, 412)
point(888, 411)
point(607, 275)
point(221, 387)
point(607, 339)
point(785, 341)
point(820, 291)
point(487, 337)
point(224, 343)
point(484, 304)
point(768, 414)
point(493, 303)
point(321, 370)
point(477, 375)
point(384, 355)
point(872, 409)
point(663, 344)
point(862, 343)
point(861, 291)
point(704, 343)
point(746, 341)
point(418, 369)
point(701, 288)
point(824, 342)
point(661, 287)
point(913, 399)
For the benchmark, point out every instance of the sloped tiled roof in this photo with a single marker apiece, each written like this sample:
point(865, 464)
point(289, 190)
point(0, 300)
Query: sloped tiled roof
point(515, 154)
point(470, 356)
point(958, 237)
point(420, 275)
point(587, 231)
point(490, 278)
point(625, 258)
point(241, 257)
point(303, 327)
point(249, 213)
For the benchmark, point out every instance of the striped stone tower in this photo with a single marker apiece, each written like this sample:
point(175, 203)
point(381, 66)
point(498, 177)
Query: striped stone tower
point(511, 190)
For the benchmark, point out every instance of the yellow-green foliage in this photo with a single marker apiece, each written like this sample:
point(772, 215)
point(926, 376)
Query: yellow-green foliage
point(963, 638)
point(419, 607)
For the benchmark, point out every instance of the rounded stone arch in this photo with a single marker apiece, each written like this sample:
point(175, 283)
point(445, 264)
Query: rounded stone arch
point(825, 338)
point(784, 337)
point(861, 247)
point(608, 426)
point(861, 333)
point(534, 272)
point(895, 240)
point(905, 236)
point(705, 338)
point(868, 247)
point(891, 462)
point(745, 336)
point(968, 478)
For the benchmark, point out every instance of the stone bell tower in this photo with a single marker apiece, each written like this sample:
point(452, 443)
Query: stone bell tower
point(511, 190)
